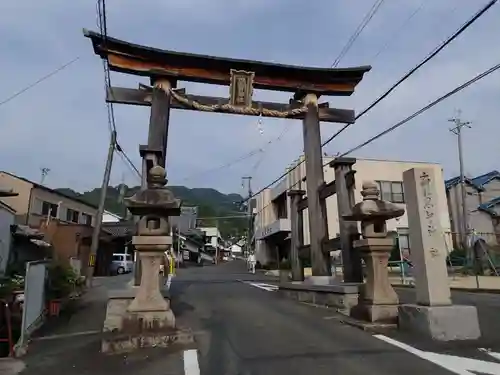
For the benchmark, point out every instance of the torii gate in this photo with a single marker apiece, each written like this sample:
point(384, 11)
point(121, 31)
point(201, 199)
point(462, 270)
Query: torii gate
point(166, 68)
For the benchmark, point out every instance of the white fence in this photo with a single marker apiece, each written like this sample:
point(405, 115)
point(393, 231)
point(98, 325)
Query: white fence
point(34, 299)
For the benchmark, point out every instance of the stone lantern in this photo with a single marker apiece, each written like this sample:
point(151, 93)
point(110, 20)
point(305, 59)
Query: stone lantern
point(378, 302)
point(153, 205)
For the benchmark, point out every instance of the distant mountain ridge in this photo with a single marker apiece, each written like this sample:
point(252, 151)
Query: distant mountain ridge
point(210, 202)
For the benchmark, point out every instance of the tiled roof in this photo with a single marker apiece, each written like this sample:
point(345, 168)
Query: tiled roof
point(485, 178)
point(487, 207)
point(26, 231)
point(122, 229)
point(477, 182)
point(456, 180)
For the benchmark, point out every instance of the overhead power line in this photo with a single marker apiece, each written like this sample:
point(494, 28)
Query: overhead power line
point(422, 110)
point(394, 35)
point(400, 123)
point(429, 57)
point(366, 20)
point(40, 80)
point(241, 158)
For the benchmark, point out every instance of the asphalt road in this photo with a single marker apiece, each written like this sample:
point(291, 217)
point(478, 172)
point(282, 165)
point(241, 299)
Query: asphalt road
point(242, 328)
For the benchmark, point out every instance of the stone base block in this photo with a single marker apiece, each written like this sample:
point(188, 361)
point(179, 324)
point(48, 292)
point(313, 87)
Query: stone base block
point(442, 323)
point(125, 331)
point(322, 280)
point(376, 313)
point(341, 296)
point(119, 343)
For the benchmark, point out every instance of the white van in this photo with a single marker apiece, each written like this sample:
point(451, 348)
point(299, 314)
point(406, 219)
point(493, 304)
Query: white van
point(122, 263)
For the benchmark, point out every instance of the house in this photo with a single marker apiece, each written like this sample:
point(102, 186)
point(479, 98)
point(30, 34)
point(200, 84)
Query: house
point(36, 203)
point(272, 219)
point(72, 241)
point(214, 245)
point(186, 220)
point(18, 243)
point(236, 250)
point(213, 236)
point(7, 220)
point(482, 204)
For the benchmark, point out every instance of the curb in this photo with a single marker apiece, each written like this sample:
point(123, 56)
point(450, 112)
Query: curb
point(362, 325)
point(456, 289)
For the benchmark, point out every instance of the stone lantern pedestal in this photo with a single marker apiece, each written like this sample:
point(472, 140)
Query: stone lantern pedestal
point(378, 302)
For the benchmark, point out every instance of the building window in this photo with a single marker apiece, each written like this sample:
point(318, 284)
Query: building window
point(49, 209)
point(404, 242)
point(72, 215)
point(87, 219)
point(391, 191)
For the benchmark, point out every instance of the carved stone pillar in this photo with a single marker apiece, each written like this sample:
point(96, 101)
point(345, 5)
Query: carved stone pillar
point(378, 301)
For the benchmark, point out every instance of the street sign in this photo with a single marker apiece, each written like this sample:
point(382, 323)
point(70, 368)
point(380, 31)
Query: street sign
point(455, 364)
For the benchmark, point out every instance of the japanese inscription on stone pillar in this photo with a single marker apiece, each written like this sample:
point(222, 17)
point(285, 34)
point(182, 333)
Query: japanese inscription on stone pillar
point(241, 88)
point(429, 208)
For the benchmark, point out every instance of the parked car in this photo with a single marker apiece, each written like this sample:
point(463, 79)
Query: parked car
point(122, 263)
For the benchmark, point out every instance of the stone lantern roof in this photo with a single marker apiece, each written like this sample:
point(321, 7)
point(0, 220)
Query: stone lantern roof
point(372, 208)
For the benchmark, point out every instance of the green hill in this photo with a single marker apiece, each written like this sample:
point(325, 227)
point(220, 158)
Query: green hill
point(210, 202)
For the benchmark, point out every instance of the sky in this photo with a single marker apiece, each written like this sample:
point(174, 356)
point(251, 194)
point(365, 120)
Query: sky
point(61, 123)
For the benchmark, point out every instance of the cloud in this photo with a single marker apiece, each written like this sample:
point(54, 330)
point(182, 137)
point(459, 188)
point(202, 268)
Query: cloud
point(61, 123)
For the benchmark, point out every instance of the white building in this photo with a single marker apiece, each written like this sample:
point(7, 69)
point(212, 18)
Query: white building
point(236, 250)
point(272, 220)
point(213, 236)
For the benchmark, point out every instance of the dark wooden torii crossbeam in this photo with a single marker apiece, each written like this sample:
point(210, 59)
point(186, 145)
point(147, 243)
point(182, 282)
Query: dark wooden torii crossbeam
point(143, 97)
point(165, 68)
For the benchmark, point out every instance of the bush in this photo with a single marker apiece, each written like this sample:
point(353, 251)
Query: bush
point(8, 285)
point(61, 281)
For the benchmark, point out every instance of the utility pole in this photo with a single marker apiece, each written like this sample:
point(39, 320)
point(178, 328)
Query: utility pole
point(100, 210)
point(457, 130)
point(217, 241)
point(249, 210)
point(45, 172)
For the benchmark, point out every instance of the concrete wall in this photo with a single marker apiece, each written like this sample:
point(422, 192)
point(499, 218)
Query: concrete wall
point(7, 218)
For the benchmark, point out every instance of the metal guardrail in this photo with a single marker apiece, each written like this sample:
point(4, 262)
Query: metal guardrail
point(34, 299)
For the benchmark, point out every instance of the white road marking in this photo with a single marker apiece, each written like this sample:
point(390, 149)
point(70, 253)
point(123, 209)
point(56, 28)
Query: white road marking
point(457, 365)
point(489, 352)
point(191, 365)
point(169, 281)
point(263, 286)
